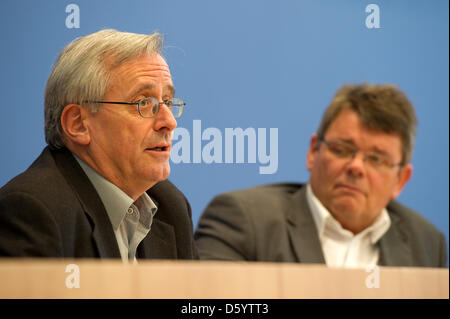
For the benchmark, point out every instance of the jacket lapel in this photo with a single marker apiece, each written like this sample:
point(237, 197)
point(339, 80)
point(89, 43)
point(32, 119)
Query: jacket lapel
point(302, 230)
point(394, 248)
point(160, 243)
point(103, 233)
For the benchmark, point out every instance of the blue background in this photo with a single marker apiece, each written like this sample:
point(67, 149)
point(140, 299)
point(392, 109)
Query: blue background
point(248, 63)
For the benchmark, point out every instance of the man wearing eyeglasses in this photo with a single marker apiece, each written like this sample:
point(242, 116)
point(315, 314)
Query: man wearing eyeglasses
point(346, 216)
point(100, 188)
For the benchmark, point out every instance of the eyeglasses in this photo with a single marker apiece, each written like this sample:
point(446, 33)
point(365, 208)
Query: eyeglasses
point(150, 106)
point(347, 151)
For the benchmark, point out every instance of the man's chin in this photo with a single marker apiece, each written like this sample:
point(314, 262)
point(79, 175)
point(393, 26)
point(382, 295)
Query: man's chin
point(157, 174)
point(349, 206)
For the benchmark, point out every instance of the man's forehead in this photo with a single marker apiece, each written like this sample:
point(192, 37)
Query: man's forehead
point(144, 73)
point(154, 60)
point(348, 126)
point(143, 63)
point(167, 88)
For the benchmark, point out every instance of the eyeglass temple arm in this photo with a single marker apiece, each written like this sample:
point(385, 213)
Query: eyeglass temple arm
point(110, 102)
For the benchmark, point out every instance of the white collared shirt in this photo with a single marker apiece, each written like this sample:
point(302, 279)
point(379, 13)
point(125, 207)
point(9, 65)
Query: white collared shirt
point(131, 221)
point(341, 247)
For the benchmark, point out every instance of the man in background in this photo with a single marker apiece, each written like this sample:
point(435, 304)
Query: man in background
point(99, 189)
point(346, 216)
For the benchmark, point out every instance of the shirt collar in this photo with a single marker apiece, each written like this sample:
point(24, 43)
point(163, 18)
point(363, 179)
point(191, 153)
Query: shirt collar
point(323, 219)
point(116, 202)
point(145, 204)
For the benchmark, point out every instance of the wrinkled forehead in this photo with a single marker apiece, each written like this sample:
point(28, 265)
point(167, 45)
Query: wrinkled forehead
point(145, 70)
point(113, 60)
point(148, 59)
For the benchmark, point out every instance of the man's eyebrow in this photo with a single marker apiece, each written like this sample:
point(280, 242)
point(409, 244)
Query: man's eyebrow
point(346, 141)
point(168, 87)
point(142, 88)
point(171, 89)
point(379, 151)
point(374, 149)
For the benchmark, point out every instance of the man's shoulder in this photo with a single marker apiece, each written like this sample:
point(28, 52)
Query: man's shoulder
point(407, 217)
point(266, 192)
point(41, 180)
point(261, 200)
point(34, 178)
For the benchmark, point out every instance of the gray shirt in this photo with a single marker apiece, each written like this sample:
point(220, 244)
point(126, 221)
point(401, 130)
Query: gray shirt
point(131, 221)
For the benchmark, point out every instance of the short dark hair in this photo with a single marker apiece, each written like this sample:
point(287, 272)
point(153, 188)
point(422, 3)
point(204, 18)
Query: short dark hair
point(380, 107)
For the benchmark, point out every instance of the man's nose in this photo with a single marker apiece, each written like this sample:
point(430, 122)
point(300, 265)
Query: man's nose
point(164, 119)
point(356, 165)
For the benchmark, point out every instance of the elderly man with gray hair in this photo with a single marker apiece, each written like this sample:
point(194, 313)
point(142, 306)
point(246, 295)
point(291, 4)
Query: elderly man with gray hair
point(100, 189)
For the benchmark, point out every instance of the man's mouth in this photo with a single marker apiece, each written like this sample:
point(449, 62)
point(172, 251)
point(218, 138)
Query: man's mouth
point(350, 188)
point(159, 148)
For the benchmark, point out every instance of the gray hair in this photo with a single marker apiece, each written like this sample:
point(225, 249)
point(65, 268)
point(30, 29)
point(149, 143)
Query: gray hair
point(80, 73)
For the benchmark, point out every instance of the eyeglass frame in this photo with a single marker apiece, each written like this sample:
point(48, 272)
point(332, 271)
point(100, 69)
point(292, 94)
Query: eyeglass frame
point(138, 104)
point(356, 150)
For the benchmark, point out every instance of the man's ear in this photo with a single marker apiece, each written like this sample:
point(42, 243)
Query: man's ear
point(74, 125)
point(403, 177)
point(313, 144)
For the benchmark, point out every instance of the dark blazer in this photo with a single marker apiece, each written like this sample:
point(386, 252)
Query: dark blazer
point(53, 210)
point(274, 223)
